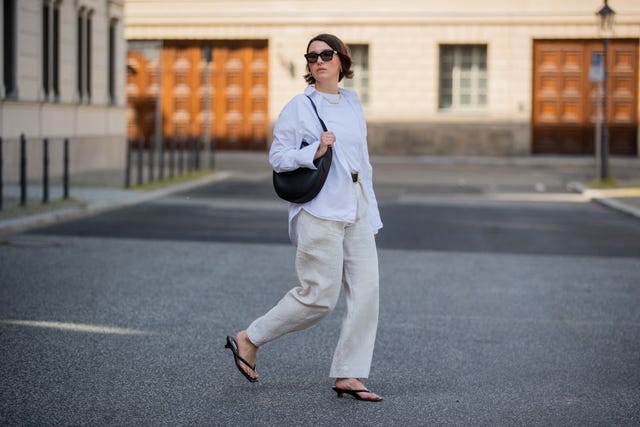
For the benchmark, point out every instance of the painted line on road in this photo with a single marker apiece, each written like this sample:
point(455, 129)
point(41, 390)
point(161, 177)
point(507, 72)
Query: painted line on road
point(226, 203)
point(496, 197)
point(76, 327)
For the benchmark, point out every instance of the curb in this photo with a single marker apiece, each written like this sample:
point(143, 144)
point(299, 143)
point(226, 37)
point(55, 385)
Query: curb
point(533, 160)
point(603, 198)
point(133, 197)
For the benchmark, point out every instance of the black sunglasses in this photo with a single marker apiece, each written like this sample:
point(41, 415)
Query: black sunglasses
point(326, 55)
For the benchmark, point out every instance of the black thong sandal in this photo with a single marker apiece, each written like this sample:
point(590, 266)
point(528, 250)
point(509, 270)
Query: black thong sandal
point(233, 345)
point(354, 393)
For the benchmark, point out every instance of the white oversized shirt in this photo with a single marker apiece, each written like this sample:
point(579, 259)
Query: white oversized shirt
point(338, 198)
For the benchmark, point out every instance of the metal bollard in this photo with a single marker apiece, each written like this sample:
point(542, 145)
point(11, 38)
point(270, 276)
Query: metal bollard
point(150, 157)
point(1, 182)
point(23, 170)
point(65, 172)
point(192, 153)
point(161, 160)
point(197, 153)
point(140, 144)
point(212, 153)
point(45, 171)
point(189, 154)
point(181, 144)
point(172, 149)
point(127, 169)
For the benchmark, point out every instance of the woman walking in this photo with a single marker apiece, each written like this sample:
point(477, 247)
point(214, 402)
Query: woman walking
point(334, 232)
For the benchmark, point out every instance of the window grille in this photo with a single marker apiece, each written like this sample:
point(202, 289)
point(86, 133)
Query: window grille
point(360, 68)
point(463, 77)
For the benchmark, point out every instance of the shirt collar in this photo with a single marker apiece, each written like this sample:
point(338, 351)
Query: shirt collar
point(312, 89)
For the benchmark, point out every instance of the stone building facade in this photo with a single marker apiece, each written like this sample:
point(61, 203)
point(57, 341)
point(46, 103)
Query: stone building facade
point(497, 77)
point(63, 76)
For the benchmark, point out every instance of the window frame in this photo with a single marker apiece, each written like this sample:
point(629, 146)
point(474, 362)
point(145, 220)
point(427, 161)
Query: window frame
point(88, 57)
point(50, 55)
point(55, 73)
point(80, 54)
point(360, 83)
point(476, 73)
point(111, 61)
point(46, 47)
point(9, 50)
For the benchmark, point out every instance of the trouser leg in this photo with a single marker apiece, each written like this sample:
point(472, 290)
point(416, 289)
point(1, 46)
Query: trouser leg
point(319, 269)
point(353, 354)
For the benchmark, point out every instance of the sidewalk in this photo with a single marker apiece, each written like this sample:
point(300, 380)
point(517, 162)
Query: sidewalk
point(84, 201)
point(625, 199)
point(103, 191)
point(576, 172)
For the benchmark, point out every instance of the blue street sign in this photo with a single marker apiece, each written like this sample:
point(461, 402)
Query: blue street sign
point(596, 70)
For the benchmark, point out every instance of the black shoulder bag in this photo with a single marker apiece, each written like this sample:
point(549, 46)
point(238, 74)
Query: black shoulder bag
point(303, 184)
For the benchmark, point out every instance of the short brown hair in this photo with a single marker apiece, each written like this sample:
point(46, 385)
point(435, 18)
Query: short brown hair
point(343, 53)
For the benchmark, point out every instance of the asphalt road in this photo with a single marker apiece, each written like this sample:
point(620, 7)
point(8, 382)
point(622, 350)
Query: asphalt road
point(505, 300)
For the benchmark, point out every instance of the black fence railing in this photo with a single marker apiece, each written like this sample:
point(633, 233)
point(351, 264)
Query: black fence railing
point(23, 173)
point(1, 175)
point(146, 160)
point(150, 160)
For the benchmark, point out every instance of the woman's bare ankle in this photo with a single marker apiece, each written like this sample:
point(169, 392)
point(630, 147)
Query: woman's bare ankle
point(244, 337)
point(350, 383)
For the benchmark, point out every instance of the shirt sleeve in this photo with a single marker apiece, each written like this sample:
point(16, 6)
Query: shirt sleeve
point(375, 220)
point(374, 213)
point(286, 153)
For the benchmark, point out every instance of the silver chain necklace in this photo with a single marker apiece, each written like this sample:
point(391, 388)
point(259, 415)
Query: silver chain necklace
point(333, 102)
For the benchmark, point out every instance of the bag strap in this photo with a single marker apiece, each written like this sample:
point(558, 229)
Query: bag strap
point(324, 127)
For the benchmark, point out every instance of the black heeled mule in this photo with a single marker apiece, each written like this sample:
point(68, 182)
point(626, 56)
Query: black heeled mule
point(355, 395)
point(233, 346)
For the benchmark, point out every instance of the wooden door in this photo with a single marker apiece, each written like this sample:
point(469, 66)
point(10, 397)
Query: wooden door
point(141, 90)
point(564, 99)
point(182, 90)
point(622, 99)
point(226, 97)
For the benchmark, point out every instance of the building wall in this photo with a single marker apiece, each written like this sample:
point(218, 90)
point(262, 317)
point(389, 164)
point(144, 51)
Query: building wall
point(403, 38)
point(96, 129)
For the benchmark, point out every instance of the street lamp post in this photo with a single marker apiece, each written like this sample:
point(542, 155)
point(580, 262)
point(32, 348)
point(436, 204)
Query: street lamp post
point(206, 53)
point(606, 15)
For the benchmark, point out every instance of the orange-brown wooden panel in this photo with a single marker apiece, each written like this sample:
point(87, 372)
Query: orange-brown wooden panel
point(564, 99)
point(226, 98)
point(140, 103)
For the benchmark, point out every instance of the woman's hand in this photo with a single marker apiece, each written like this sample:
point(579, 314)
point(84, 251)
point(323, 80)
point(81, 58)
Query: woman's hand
point(326, 140)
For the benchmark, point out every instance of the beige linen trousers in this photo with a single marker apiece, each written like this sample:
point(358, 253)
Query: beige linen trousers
point(331, 255)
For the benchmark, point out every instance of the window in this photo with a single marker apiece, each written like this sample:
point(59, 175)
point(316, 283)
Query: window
point(111, 81)
point(463, 77)
point(45, 48)
point(87, 45)
point(9, 49)
point(360, 68)
point(84, 30)
point(50, 50)
point(80, 55)
point(56, 52)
